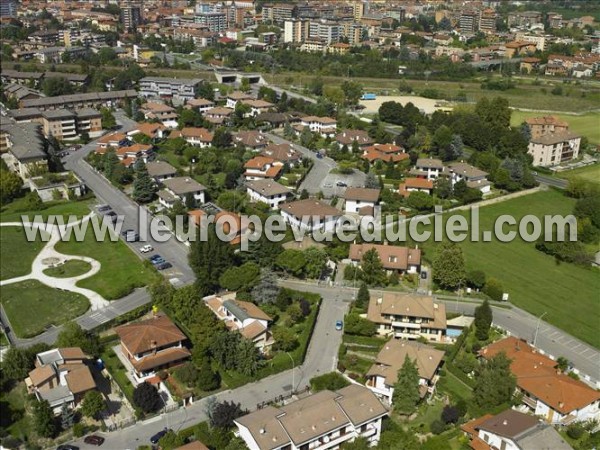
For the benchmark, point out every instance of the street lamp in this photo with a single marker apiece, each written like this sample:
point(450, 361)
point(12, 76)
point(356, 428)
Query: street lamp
point(293, 371)
point(537, 328)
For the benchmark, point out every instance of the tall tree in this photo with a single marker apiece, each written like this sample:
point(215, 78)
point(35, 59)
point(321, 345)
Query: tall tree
point(494, 382)
point(223, 414)
point(72, 335)
point(267, 289)
point(372, 268)
point(43, 419)
point(147, 397)
point(406, 390)
point(483, 320)
point(209, 259)
point(16, 363)
point(362, 297)
point(93, 404)
point(144, 187)
point(449, 266)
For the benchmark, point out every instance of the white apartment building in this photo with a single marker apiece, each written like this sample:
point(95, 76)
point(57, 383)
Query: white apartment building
point(267, 191)
point(182, 88)
point(554, 148)
point(215, 21)
point(295, 30)
point(328, 32)
point(324, 420)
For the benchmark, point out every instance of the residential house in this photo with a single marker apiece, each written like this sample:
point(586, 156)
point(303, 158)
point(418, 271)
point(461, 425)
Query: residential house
point(415, 185)
point(540, 126)
point(546, 392)
point(19, 93)
point(310, 215)
point(474, 177)
point(194, 445)
point(165, 114)
point(274, 119)
point(218, 115)
point(361, 200)
point(554, 148)
point(245, 317)
point(182, 189)
point(428, 168)
point(252, 140)
point(349, 137)
point(257, 107)
point(393, 258)
point(200, 104)
point(61, 376)
point(383, 374)
point(112, 140)
point(267, 191)
point(199, 137)
point(408, 316)
point(284, 153)
point(385, 153)
point(235, 97)
point(22, 146)
point(152, 130)
point(325, 126)
point(530, 64)
point(152, 345)
point(514, 49)
point(180, 89)
point(261, 167)
point(160, 170)
point(323, 420)
point(512, 430)
point(129, 154)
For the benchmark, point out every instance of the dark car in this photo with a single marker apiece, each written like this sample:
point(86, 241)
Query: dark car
point(155, 257)
point(163, 266)
point(67, 447)
point(424, 275)
point(154, 439)
point(112, 215)
point(103, 208)
point(341, 184)
point(94, 440)
point(158, 262)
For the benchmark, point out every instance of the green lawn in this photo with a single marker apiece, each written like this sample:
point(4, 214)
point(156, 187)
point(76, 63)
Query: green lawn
point(589, 173)
point(587, 125)
point(17, 253)
point(121, 271)
point(117, 371)
point(536, 282)
point(14, 210)
point(71, 268)
point(32, 306)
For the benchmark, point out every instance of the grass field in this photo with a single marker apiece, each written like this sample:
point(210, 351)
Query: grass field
point(13, 211)
point(121, 270)
point(587, 125)
point(71, 268)
point(13, 244)
point(589, 173)
point(32, 306)
point(537, 282)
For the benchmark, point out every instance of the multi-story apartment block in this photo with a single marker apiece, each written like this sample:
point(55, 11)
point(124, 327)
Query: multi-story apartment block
point(328, 32)
point(324, 420)
point(487, 21)
point(296, 30)
point(215, 21)
point(554, 148)
point(283, 12)
point(180, 88)
point(90, 99)
point(468, 21)
point(59, 123)
point(8, 8)
point(131, 15)
point(539, 126)
point(538, 40)
point(407, 316)
point(525, 18)
point(63, 124)
point(22, 145)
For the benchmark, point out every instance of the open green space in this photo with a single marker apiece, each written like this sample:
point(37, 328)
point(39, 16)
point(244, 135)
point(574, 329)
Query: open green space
point(535, 281)
point(14, 210)
point(71, 268)
point(17, 253)
point(588, 173)
point(587, 125)
point(32, 306)
point(121, 271)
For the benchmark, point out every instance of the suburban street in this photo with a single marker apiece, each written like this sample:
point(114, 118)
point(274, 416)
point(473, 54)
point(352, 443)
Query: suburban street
point(320, 358)
point(551, 181)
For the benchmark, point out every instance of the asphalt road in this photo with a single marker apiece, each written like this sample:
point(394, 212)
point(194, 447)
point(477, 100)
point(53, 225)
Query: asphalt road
point(320, 358)
point(552, 181)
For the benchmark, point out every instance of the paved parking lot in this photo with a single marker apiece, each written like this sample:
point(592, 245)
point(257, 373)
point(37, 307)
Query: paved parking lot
point(330, 187)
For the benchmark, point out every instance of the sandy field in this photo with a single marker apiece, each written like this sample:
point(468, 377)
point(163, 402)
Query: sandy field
point(426, 104)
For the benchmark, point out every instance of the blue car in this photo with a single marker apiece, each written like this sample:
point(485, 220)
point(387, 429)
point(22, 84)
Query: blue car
point(339, 325)
point(154, 439)
point(154, 257)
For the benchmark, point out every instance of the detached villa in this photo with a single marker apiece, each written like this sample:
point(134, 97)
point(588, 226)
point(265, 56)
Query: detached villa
point(393, 258)
point(61, 376)
point(152, 345)
point(180, 188)
point(383, 375)
point(245, 317)
point(408, 316)
point(267, 191)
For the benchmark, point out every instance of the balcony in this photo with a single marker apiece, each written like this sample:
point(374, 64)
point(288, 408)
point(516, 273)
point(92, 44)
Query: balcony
point(411, 325)
point(530, 402)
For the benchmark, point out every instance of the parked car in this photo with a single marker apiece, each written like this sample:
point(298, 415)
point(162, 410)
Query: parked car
point(67, 447)
point(341, 184)
point(424, 275)
point(154, 439)
point(94, 439)
point(339, 325)
point(103, 208)
point(158, 262)
point(319, 155)
point(155, 256)
point(164, 266)
point(146, 249)
point(112, 215)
